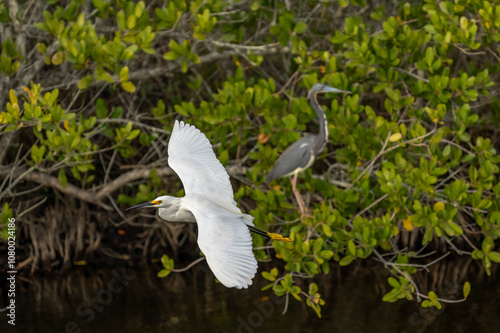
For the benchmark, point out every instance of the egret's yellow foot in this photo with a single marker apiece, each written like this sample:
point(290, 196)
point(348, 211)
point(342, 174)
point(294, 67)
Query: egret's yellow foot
point(278, 237)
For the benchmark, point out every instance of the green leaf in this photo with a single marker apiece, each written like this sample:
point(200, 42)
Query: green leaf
point(101, 108)
point(426, 303)
point(429, 56)
point(393, 282)
point(395, 137)
point(477, 254)
point(391, 296)
point(327, 254)
point(343, 3)
point(184, 65)
point(62, 177)
point(352, 247)
point(457, 230)
point(255, 5)
point(120, 20)
point(195, 59)
point(438, 206)
point(346, 260)
point(466, 289)
point(171, 55)
point(133, 134)
point(432, 296)
point(139, 9)
point(13, 97)
point(50, 98)
point(167, 262)
point(327, 230)
point(279, 290)
point(176, 47)
point(37, 153)
point(389, 28)
point(339, 38)
point(131, 22)
point(163, 273)
point(85, 82)
point(128, 53)
point(295, 295)
point(57, 58)
point(494, 256)
point(269, 286)
point(268, 276)
point(290, 121)
point(42, 48)
point(124, 74)
point(128, 86)
point(305, 247)
point(299, 28)
point(199, 35)
point(487, 245)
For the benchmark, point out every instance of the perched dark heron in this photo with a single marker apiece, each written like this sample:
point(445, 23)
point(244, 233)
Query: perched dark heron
point(209, 201)
point(302, 153)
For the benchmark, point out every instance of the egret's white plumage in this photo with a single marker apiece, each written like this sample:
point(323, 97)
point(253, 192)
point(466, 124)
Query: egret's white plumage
point(223, 234)
point(225, 240)
point(191, 156)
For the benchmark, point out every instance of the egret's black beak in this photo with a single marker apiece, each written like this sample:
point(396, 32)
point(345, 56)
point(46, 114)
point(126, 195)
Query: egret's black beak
point(147, 204)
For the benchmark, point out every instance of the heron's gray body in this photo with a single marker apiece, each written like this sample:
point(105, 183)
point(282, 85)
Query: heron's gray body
point(301, 159)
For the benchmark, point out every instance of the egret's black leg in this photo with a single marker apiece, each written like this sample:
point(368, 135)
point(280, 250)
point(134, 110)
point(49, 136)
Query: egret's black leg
point(271, 235)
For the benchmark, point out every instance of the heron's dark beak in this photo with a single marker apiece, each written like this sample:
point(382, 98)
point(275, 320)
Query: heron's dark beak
point(335, 90)
point(147, 204)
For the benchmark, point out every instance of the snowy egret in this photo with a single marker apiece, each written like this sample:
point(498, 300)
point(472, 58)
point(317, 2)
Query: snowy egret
point(223, 230)
point(302, 153)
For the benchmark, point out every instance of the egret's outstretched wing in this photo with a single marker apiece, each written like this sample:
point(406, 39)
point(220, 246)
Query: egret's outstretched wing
point(225, 241)
point(191, 156)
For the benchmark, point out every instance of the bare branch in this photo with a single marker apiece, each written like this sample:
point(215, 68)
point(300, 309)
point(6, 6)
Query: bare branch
point(50, 181)
point(177, 270)
point(171, 67)
point(130, 176)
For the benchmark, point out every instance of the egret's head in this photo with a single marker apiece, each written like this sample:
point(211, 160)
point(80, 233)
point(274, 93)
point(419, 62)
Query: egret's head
point(159, 202)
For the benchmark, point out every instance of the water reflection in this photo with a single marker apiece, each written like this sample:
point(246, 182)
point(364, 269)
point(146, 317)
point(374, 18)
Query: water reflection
point(113, 300)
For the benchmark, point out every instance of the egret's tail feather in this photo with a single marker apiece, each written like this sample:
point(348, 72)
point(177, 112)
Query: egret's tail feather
point(273, 236)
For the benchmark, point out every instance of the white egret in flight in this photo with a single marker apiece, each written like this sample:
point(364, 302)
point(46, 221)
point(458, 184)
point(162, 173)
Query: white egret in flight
point(223, 230)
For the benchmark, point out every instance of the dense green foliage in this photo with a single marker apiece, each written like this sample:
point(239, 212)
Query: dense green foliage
point(412, 151)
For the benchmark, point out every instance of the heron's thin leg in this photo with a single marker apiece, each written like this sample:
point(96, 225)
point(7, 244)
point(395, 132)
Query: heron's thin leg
point(298, 197)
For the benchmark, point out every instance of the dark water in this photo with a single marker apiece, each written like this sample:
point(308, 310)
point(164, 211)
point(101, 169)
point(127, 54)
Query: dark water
point(109, 300)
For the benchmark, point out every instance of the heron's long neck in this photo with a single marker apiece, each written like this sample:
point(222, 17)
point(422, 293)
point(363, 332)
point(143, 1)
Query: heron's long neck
point(323, 124)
